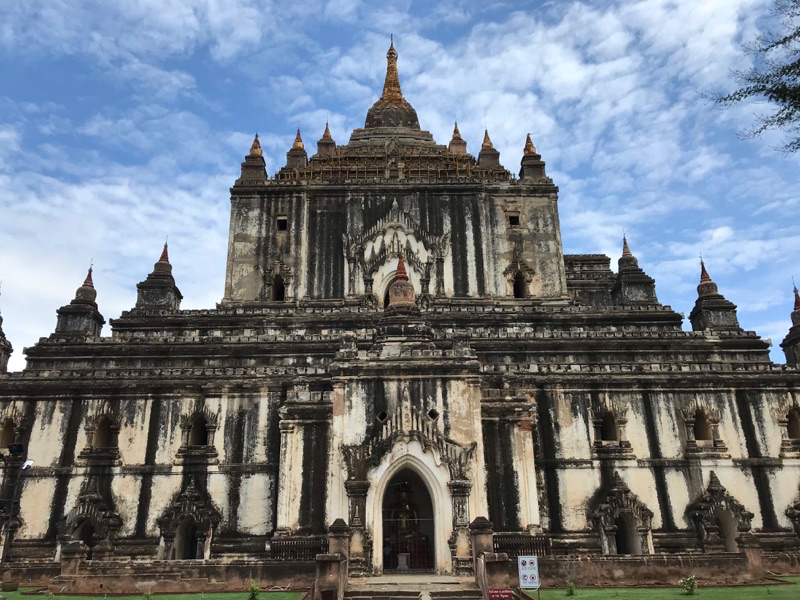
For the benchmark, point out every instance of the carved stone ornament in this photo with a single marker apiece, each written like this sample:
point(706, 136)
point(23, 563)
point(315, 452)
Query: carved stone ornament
point(793, 512)
point(620, 500)
point(518, 265)
point(91, 506)
point(362, 457)
point(189, 502)
point(702, 511)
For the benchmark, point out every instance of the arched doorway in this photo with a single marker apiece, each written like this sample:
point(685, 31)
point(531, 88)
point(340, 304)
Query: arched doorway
point(186, 540)
point(627, 537)
point(728, 529)
point(85, 533)
point(408, 525)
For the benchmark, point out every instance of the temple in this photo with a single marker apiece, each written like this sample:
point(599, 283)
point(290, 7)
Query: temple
point(404, 365)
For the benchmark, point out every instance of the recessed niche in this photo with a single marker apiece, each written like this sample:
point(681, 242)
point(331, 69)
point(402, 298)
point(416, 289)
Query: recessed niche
point(433, 414)
point(382, 416)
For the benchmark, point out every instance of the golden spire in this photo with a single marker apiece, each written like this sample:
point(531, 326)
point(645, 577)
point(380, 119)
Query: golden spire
point(327, 134)
point(487, 142)
point(391, 86)
point(298, 141)
point(529, 147)
point(255, 149)
point(456, 132)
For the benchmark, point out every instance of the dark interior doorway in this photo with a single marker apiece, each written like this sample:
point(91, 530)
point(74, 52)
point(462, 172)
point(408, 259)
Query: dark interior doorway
point(408, 525)
point(186, 540)
point(627, 536)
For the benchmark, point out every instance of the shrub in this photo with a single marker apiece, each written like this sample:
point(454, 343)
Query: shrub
point(253, 591)
point(688, 585)
point(570, 587)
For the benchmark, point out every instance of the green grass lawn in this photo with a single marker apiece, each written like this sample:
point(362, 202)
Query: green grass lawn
point(211, 596)
point(771, 592)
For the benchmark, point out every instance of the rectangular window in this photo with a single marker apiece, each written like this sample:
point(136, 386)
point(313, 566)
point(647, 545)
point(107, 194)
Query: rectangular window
point(513, 219)
point(283, 223)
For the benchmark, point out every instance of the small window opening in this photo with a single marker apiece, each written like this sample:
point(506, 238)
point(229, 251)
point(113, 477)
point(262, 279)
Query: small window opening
point(7, 434)
point(282, 223)
point(702, 427)
point(433, 414)
point(793, 425)
point(278, 289)
point(103, 437)
point(198, 434)
point(519, 285)
point(513, 219)
point(609, 432)
point(382, 416)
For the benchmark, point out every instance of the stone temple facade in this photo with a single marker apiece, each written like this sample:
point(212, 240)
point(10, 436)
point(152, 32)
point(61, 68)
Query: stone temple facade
point(403, 349)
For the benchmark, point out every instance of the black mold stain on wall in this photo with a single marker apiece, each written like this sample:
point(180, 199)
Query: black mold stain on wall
point(547, 435)
point(477, 239)
point(760, 475)
point(234, 431)
point(458, 243)
point(664, 505)
point(315, 471)
point(326, 225)
point(146, 489)
point(502, 484)
point(69, 433)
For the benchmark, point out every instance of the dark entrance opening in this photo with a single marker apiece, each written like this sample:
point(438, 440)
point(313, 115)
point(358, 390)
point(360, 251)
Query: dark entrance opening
point(85, 533)
point(627, 538)
point(186, 540)
point(408, 527)
point(386, 295)
point(520, 288)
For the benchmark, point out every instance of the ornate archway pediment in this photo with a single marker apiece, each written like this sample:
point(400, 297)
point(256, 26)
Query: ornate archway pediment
point(518, 265)
point(406, 426)
point(193, 502)
point(793, 512)
point(702, 511)
point(92, 507)
point(618, 500)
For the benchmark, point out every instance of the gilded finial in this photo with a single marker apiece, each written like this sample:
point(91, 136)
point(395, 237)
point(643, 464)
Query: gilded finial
point(456, 132)
point(625, 250)
point(255, 149)
point(165, 252)
point(796, 296)
point(298, 141)
point(391, 85)
point(704, 276)
point(487, 142)
point(529, 147)
point(327, 134)
point(88, 281)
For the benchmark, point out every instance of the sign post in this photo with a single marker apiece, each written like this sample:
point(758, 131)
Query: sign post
point(529, 573)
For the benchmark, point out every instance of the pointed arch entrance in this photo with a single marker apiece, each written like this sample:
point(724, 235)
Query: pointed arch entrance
point(408, 525)
point(428, 479)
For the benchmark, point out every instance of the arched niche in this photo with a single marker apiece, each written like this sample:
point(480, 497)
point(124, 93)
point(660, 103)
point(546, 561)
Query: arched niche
point(520, 286)
point(434, 475)
point(103, 434)
point(793, 424)
point(7, 434)
point(703, 431)
point(198, 434)
point(609, 430)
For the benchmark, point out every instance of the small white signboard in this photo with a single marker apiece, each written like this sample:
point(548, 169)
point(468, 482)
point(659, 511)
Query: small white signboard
point(528, 572)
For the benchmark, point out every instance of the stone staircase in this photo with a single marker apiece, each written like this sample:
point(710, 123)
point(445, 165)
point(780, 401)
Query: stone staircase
point(408, 587)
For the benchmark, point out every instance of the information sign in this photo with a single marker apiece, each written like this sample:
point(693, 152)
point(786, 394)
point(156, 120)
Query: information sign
point(500, 594)
point(528, 572)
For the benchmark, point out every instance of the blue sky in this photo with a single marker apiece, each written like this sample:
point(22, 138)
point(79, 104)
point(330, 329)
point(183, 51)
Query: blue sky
point(124, 122)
